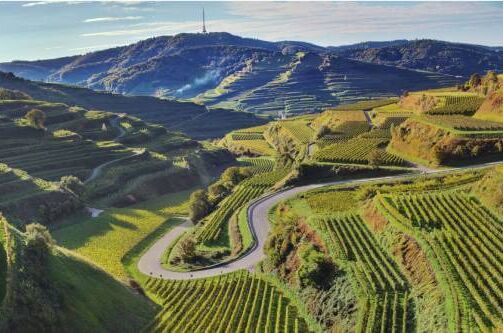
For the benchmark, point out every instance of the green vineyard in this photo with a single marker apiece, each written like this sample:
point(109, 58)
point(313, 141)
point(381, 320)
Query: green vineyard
point(258, 165)
point(238, 302)
point(463, 123)
point(247, 136)
point(248, 190)
point(461, 104)
point(298, 130)
point(357, 151)
point(384, 304)
point(465, 241)
point(212, 228)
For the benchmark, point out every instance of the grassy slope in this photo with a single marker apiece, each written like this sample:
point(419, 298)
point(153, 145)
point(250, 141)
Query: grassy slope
point(107, 239)
point(95, 301)
point(3, 266)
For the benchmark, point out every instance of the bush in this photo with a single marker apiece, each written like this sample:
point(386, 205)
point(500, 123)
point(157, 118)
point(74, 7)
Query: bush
point(188, 249)
point(72, 184)
point(36, 118)
point(316, 269)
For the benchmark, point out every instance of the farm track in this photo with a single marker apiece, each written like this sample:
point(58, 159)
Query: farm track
point(99, 169)
point(150, 262)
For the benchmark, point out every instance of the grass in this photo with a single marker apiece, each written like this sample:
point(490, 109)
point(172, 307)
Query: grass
point(95, 301)
point(244, 229)
point(108, 238)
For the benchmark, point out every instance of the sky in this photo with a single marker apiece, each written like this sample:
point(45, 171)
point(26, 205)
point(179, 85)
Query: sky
point(49, 29)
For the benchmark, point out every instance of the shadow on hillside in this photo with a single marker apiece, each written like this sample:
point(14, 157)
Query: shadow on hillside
point(79, 234)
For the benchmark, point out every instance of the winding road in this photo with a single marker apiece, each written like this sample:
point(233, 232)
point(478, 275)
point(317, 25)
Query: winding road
point(150, 262)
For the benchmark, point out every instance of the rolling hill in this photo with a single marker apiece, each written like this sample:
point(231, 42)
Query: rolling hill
point(173, 114)
point(259, 76)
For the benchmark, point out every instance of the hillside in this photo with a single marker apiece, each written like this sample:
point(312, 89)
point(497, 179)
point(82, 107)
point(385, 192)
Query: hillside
point(169, 113)
point(431, 55)
point(112, 159)
point(65, 293)
point(230, 71)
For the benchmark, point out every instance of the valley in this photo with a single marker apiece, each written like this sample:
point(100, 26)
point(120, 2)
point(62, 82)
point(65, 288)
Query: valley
point(209, 182)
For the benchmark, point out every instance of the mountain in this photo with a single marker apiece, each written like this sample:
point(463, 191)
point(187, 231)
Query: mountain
point(432, 55)
point(224, 70)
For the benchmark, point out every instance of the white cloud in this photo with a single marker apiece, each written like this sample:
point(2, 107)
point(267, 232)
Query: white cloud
point(49, 2)
point(112, 19)
point(38, 3)
point(149, 29)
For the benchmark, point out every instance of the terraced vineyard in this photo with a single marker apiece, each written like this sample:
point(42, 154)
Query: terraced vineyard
point(299, 130)
point(464, 241)
point(258, 165)
point(458, 104)
point(238, 302)
point(245, 192)
point(247, 136)
point(463, 123)
point(213, 227)
point(384, 297)
point(367, 105)
point(357, 151)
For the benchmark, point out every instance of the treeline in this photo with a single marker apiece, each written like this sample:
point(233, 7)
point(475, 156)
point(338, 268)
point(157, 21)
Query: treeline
point(203, 202)
point(32, 303)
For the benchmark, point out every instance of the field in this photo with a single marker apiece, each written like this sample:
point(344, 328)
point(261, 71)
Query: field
point(458, 104)
point(238, 302)
point(367, 105)
point(298, 130)
point(383, 292)
point(357, 150)
point(463, 123)
point(464, 241)
point(107, 239)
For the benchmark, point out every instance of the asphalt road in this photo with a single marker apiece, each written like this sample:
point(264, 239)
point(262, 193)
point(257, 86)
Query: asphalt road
point(150, 262)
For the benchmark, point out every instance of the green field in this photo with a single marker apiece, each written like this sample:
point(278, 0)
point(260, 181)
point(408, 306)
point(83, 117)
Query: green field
point(107, 239)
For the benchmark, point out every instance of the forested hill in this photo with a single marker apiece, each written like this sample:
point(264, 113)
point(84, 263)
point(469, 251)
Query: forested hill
point(221, 67)
point(430, 55)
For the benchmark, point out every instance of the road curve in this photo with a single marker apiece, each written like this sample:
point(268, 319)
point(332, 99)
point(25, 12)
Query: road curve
point(150, 262)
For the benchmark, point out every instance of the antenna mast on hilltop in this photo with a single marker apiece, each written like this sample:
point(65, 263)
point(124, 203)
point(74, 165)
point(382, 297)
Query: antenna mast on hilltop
point(204, 24)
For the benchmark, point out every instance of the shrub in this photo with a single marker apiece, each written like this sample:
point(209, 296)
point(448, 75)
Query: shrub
point(199, 205)
point(72, 184)
point(187, 249)
point(36, 118)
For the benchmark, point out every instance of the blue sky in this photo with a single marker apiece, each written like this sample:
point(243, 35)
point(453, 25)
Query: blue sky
point(48, 29)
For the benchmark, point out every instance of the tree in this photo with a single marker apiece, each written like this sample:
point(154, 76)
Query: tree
point(38, 245)
point(36, 118)
point(218, 191)
point(475, 80)
point(72, 184)
point(199, 205)
point(322, 131)
point(475, 150)
point(188, 249)
point(375, 157)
